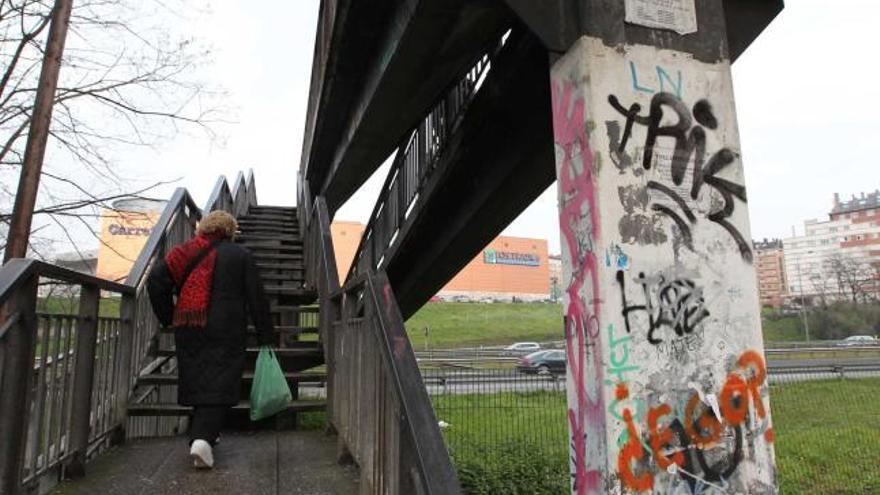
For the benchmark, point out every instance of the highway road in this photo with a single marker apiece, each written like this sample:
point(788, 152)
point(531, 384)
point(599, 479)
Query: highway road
point(466, 379)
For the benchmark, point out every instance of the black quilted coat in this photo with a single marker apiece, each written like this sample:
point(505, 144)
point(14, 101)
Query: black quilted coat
point(211, 360)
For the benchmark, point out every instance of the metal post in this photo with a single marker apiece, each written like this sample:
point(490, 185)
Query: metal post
point(123, 368)
point(83, 378)
point(18, 349)
point(38, 134)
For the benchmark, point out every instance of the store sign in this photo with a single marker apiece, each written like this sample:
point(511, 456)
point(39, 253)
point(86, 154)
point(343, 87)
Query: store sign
point(493, 257)
point(115, 229)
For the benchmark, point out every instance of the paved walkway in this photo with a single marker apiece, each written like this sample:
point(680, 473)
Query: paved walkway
point(245, 463)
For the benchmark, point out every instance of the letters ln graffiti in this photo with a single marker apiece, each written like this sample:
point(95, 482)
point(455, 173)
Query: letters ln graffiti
point(690, 142)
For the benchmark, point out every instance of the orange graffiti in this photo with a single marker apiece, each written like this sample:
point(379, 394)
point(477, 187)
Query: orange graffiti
point(622, 392)
point(661, 439)
point(633, 451)
point(751, 359)
point(707, 430)
point(702, 429)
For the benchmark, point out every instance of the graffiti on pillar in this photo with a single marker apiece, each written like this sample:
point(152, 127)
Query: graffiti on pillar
point(704, 446)
point(676, 304)
point(688, 134)
point(579, 224)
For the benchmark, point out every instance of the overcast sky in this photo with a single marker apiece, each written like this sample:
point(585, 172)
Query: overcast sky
point(806, 93)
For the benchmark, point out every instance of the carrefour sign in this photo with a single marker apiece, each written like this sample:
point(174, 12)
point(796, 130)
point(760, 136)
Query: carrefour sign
point(116, 229)
point(494, 257)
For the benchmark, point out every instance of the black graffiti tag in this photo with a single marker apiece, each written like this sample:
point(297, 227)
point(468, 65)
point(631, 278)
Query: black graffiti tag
point(677, 304)
point(690, 142)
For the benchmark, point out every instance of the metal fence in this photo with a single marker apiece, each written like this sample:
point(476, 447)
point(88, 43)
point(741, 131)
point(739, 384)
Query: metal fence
point(507, 431)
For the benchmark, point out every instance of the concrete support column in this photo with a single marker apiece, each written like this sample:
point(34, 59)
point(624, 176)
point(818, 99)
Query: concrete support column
point(667, 384)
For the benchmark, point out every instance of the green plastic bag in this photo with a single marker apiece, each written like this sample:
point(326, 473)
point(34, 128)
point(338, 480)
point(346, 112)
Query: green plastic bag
point(269, 392)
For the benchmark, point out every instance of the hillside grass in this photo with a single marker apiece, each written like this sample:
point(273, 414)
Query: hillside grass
point(460, 324)
point(454, 324)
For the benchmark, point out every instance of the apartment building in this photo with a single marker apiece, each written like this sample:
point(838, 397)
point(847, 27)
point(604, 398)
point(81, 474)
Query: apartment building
point(836, 258)
point(770, 265)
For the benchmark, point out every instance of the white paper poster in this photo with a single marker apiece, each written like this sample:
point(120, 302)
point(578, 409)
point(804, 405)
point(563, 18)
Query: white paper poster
point(677, 15)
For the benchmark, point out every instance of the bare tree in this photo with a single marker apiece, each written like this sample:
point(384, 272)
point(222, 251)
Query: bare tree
point(126, 80)
point(855, 279)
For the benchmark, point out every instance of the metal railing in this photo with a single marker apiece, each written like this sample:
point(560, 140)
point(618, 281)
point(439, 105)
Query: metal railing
point(236, 201)
point(67, 379)
point(376, 400)
point(62, 387)
point(414, 164)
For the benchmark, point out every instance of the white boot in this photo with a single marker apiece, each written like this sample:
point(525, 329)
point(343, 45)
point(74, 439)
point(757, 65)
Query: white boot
point(202, 454)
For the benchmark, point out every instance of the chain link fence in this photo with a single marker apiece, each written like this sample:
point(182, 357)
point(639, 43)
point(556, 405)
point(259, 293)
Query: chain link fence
point(507, 430)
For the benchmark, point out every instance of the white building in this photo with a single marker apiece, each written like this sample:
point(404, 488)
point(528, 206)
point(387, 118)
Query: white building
point(834, 258)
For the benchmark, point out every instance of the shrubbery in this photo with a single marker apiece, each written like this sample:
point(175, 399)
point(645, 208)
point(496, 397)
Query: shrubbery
point(833, 321)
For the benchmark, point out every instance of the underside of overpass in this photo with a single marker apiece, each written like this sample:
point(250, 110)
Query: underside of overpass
point(380, 67)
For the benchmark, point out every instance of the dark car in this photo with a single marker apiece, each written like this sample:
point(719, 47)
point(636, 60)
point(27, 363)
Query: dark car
point(543, 362)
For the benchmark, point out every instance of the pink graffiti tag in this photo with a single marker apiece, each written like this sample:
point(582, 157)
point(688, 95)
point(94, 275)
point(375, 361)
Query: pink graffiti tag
point(579, 223)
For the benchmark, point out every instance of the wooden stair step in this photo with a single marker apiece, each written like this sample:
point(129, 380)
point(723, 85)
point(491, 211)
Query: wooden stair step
point(293, 329)
point(244, 223)
point(288, 291)
point(178, 410)
point(285, 329)
point(292, 378)
point(245, 237)
point(269, 218)
point(296, 281)
point(260, 256)
point(291, 267)
point(272, 211)
point(272, 244)
point(292, 308)
point(309, 349)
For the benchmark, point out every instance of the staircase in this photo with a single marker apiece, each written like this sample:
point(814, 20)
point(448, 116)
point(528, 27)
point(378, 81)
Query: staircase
point(273, 235)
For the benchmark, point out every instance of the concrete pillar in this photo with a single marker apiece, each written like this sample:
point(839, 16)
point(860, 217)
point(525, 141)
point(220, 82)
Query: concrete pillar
point(667, 384)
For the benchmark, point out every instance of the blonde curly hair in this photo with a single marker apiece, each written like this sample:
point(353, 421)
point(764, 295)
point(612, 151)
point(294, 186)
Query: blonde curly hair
point(217, 222)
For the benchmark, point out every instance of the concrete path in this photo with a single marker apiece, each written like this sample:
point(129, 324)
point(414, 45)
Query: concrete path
point(255, 463)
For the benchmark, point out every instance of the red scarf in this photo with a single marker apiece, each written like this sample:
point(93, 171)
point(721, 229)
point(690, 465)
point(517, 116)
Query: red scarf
point(192, 302)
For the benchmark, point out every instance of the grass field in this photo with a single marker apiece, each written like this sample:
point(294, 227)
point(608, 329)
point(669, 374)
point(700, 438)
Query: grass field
point(472, 324)
point(828, 436)
point(469, 324)
point(827, 439)
point(109, 306)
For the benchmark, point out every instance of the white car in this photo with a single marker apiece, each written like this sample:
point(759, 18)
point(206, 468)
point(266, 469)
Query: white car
point(858, 340)
point(521, 348)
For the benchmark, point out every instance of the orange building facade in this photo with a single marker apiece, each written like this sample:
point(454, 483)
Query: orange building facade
point(124, 232)
point(346, 239)
point(508, 268)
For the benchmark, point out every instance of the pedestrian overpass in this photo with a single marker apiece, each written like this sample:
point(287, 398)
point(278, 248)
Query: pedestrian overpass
point(458, 95)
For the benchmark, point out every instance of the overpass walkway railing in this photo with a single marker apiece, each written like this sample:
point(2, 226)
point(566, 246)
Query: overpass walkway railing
point(415, 162)
point(376, 403)
point(63, 388)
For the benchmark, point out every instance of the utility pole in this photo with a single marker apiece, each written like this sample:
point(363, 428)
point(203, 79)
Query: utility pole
point(38, 134)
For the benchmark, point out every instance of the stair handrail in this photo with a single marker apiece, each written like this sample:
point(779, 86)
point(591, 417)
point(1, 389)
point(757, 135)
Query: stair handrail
point(40, 436)
point(237, 200)
point(414, 163)
point(397, 400)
